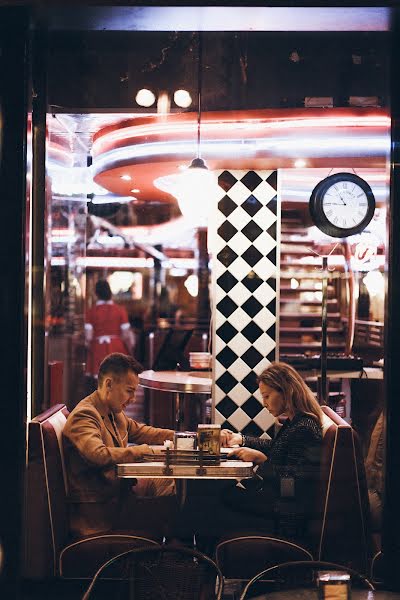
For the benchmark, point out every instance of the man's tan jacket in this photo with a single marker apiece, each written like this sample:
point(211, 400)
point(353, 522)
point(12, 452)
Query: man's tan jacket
point(92, 448)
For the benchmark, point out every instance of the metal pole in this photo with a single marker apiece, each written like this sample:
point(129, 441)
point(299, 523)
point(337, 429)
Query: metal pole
point(324, 380)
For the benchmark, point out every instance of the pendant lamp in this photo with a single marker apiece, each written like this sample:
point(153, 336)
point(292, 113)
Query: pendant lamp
point(196, 187)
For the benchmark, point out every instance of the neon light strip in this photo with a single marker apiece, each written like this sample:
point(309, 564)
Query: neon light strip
point(135, 131)
point(364, 147)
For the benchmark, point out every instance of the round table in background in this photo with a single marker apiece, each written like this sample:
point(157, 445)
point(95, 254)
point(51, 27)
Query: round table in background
point(179, 382)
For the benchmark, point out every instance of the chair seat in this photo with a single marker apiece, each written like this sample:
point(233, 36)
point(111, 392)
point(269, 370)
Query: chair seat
point(81, 558)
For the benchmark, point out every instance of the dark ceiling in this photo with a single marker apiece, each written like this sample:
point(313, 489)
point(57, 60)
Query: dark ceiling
point(102, 70)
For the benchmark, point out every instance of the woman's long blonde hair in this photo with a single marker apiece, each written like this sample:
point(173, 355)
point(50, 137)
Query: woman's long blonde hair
point(296, 394)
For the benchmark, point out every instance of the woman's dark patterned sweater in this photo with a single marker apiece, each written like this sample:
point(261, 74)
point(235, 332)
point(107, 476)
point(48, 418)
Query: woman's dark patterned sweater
point(294, 452)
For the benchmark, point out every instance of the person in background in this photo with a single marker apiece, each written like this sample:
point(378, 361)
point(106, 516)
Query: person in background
point(286, 464)
point(107, 329)
point(95, 440)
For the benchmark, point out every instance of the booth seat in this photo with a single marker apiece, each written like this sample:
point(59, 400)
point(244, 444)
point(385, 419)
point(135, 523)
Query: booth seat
point(49, 549)
point(341, 529)
point(338, 527)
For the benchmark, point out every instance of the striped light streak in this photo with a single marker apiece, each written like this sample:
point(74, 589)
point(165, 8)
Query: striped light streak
point(212, 127)
point(348, 146)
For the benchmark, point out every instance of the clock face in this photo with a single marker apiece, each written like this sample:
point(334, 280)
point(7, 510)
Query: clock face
point(342, 205)
point(345, 204)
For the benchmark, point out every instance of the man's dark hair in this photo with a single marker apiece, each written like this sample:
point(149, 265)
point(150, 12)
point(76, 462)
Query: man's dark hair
point(118, 364)
point(103, 290)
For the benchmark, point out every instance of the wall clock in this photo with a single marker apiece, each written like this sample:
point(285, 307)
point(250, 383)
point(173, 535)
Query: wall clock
point(342, 204)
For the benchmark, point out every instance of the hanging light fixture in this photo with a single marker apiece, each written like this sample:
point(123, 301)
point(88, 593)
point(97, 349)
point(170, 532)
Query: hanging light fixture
point(195, 188)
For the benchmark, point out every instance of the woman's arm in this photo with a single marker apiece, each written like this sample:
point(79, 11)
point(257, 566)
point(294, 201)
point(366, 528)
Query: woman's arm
point(299, 456)
point(260, 444)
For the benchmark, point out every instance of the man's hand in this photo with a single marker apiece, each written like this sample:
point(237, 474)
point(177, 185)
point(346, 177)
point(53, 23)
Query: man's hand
point(248, 455)
point(229, 438)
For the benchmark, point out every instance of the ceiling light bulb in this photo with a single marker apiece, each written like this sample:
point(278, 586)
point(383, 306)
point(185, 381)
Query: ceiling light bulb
point(182, 98)
point(299, 163)
point(145, 98)
point(135, 191)
point(126, 177)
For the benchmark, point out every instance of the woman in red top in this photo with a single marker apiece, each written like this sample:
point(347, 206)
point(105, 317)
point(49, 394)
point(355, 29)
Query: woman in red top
point(107, 329)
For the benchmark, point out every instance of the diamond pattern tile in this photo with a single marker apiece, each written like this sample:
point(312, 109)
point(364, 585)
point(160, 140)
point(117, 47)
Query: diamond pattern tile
point(240, 243)
point(226, 382)
point(226, 407)
point(226, 180)
point(250, 382)
point(227, 256)
point(239, 293)
point(251, 205)
point(240, 344)
point(252, 407)
point(227, 281)
point(252, 256)
point(240, 419)
point(252, 357)
point(227, 306)
point(251, 180)
point(272, 180)
point(264, 419)
point(239, 369)
point(226, 231)
point(252, 230)
point(226, 205)
point(244, 249)
point(252, 331)
point(227, 357)
point(252, 281)
point(252, 306)
point(226, 332)
point(239, 394)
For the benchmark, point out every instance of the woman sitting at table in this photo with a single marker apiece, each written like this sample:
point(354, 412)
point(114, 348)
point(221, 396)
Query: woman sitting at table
point(285, 465)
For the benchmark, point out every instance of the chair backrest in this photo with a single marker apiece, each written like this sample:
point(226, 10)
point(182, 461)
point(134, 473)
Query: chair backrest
point(296, 574)
point(342, 507)
point(46, 522)
point(164, 572)
point(243, 557)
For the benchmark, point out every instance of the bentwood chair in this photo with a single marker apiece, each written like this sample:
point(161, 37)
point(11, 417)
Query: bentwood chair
point(297, 574)
point(241, 558)
point(158, 573)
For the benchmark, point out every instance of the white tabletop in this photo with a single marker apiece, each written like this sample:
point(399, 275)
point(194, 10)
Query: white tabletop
point(188, 382)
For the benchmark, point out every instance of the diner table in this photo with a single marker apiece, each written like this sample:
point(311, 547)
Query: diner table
point(226, 469)
point(181, 383)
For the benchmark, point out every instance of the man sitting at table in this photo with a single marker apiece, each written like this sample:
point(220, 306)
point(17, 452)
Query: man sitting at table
point(95, 439)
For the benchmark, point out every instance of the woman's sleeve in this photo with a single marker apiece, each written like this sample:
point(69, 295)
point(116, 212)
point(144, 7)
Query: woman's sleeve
point(256, 443)
point(303, 456)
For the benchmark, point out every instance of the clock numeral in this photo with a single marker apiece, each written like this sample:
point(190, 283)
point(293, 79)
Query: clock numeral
point(344, 222)
point(360, 212)
point(361, 195)
point(345, 186)
point(329, 212)
point(362, 204)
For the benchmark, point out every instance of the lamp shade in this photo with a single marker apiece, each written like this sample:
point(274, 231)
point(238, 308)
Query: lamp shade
point(196, 190)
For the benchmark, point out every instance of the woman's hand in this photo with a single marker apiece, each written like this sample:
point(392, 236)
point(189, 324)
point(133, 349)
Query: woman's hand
point(248, 455)
point(229, 438)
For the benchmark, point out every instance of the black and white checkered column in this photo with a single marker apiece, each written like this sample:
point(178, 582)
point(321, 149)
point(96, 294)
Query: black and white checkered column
point(244, 248)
